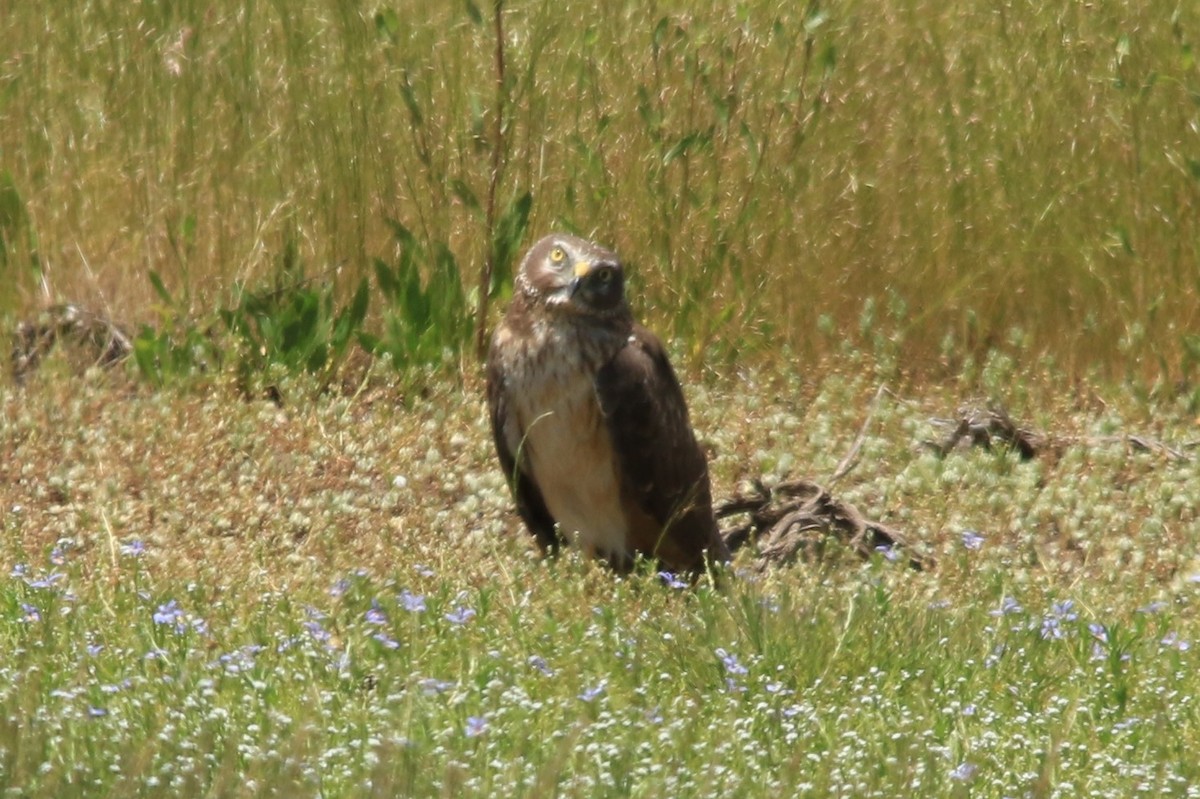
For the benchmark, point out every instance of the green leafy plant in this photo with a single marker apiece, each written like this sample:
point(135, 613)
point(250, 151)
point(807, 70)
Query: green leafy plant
point(425, 318)
point(296, 322)
point(180, 347)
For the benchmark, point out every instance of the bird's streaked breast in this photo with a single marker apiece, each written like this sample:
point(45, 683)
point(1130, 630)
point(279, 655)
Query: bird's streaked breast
point(561, 439)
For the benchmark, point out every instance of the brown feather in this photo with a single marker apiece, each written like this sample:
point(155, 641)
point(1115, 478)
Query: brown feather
point(664, 472)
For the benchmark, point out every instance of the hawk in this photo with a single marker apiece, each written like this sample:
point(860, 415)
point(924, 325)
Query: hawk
point(589, 420)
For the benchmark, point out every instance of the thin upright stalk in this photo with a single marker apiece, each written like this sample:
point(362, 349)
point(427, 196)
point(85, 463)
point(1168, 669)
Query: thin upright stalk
point(489, 262)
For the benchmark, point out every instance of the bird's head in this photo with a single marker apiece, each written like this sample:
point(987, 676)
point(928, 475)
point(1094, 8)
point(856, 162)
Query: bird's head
point(572, 274)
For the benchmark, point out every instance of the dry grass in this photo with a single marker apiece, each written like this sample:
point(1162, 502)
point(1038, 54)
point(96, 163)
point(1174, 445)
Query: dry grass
point(770, 170)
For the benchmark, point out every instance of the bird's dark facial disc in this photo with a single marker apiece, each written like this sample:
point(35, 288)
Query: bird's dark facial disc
point(601, 289)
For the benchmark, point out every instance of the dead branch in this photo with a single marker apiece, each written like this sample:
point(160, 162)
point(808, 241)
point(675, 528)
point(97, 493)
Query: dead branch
point(795, 517)
point(1138, 443)
point(104, 341)
point(979, 428)
point(976, 428)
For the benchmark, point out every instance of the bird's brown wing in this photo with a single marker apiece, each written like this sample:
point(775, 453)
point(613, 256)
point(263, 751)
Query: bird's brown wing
point(530, 504)
point(663, 471)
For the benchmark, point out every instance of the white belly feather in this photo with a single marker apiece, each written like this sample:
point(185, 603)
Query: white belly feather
point(567, 449)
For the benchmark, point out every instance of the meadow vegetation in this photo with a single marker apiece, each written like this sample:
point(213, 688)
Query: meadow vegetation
point(208, 596)
point(269, 553)
point(769, 169)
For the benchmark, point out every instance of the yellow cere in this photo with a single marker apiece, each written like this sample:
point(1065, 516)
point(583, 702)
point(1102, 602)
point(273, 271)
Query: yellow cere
point(582, 268)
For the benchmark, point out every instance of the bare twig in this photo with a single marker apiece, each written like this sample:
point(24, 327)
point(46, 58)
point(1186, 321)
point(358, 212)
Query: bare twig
point(851, 459)
point(489, 263)
point(1136, 442)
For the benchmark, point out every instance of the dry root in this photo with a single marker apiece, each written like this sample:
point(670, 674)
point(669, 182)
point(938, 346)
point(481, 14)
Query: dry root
point(978, 428)
point(794, 518)
point(101, 341)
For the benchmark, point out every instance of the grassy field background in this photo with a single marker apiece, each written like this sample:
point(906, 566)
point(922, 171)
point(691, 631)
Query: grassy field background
point(270, 554)
point(775, 173)
point(207, 596)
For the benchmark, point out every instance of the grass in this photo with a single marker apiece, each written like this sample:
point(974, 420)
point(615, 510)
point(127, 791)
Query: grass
point(203, 592)
point(211, 596)
point(767, 168)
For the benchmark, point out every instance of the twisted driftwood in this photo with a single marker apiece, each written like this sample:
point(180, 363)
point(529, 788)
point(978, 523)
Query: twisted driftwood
point(983, 428)
point(794, 518)
point(994, 427)
point(105, 342)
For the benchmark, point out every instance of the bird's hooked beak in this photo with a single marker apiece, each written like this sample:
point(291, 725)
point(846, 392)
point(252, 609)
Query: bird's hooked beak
point(581, 270)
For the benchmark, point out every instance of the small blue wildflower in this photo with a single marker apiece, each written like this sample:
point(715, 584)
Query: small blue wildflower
point(963, 772)
point(287, 643)
point(939, 604)
point(168, 613)
point(31, 613)
point(476, 725)
point(386, 640)
point(240, 660)
point(731, 662)
point(429, 686)
point(317, 631)
point(340, 587)
point(733, 686)
point(670, 580)
point(424, 570)
point(1052, 630)
point(1099, 632)
point(48, 581)
point(1172, 641)
point(970, 710)
point(994, 656)
point(94, 649)
point(412, 602)
point(110, 688)
point(133, 549)
point(1153, 607)
point(1008, 606)
point(376, 615)
point(539, 663)
point(19, 571)
point(461, 615)
point(58, 555)
point(654, 715)
point(590, 694)
point(1060, 613)
point(1064, 610)
point(890, 553)
point(96, 712)
point(972, 539)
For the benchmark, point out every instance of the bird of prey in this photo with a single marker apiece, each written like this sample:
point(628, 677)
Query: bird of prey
point(589, 420)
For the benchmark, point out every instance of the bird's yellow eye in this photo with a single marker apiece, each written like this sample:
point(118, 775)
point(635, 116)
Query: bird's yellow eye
point(557, 255)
